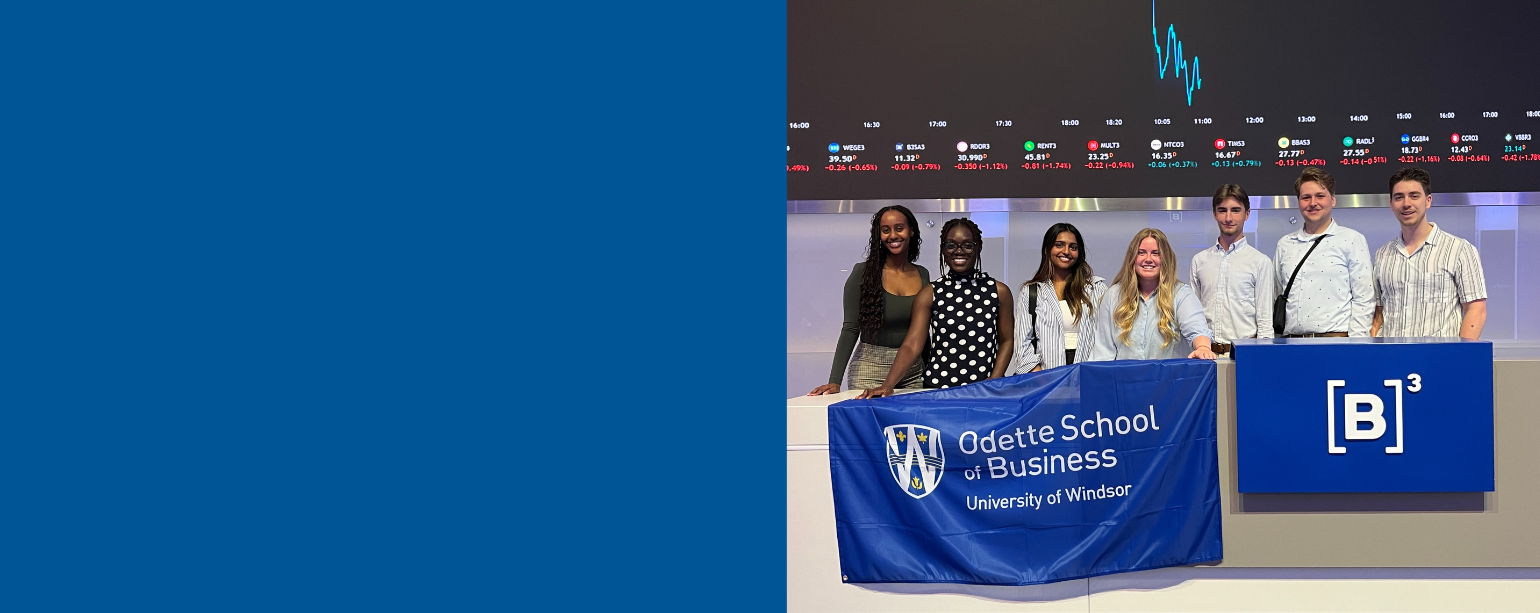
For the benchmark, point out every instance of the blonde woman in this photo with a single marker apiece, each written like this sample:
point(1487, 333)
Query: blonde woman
point(1148, 314)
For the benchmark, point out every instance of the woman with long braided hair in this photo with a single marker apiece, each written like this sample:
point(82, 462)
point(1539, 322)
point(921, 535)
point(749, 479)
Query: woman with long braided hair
point(967, 314)
point(878, 297)
point(1148, 314)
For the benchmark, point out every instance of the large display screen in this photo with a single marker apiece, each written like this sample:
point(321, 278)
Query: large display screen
point(1131, 98)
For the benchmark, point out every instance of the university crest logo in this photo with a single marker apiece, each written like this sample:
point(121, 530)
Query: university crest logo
point(915, 457)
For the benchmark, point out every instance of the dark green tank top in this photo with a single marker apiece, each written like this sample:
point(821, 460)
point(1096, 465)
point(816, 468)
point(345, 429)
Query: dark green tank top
point(895, 319)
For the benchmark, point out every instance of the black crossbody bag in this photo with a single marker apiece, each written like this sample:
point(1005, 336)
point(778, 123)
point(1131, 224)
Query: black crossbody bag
point(1281, 303)
point(1032, 308)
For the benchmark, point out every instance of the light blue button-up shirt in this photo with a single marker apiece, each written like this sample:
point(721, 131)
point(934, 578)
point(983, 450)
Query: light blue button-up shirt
point(1335, 289)
point(1236, 289)
point(1144, 337)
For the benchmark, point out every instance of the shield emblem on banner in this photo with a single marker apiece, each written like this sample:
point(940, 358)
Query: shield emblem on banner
point(915, 457)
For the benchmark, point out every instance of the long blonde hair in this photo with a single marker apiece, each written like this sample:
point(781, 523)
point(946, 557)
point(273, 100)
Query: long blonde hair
point(1127, 307)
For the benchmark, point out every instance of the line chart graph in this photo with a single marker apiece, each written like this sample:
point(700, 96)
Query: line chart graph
point(1171, 56)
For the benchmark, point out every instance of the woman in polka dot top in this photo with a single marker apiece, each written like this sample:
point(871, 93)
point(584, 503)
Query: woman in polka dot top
point(963, 312)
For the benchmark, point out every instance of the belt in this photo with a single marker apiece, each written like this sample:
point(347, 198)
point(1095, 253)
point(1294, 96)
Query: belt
point(1222, 348)
point(1317, 335)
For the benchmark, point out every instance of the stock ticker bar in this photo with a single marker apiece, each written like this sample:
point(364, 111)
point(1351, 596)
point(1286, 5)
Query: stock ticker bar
point(1143, 99)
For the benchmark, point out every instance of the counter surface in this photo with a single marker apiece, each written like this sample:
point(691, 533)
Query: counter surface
point(1492, 529)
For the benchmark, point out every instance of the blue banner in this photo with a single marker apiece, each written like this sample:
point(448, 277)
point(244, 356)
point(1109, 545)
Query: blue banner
point(1084, 470)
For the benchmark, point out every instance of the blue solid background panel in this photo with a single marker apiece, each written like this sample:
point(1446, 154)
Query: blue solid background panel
point(377, 306)
point(954, 534)
point(1282, 408)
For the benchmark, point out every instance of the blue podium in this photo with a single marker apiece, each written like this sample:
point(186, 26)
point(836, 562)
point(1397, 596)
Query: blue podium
point(1363, 415)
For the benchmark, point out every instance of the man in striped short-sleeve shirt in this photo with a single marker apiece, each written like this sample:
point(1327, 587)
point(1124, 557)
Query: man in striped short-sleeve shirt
point(1427, 282)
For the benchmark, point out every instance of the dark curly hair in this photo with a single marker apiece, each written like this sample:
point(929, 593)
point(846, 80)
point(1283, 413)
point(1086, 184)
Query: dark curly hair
point(870, 319)
point(978, 237)
point(1412, 174)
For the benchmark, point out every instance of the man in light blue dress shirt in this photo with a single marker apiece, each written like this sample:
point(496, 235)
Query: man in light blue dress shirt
point(1149, 271)
point(1334, 292)
point(1232, 279)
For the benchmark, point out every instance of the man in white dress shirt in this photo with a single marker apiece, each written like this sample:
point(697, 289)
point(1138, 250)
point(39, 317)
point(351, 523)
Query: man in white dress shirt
point(1428, 282)
point(1234, 280)
point(1334, 292)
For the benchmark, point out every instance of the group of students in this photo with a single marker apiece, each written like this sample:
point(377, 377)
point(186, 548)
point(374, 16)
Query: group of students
point(970, 327)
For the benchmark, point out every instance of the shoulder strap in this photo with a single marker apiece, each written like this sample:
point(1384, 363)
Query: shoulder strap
point(1032, 308)
point(1313, 245)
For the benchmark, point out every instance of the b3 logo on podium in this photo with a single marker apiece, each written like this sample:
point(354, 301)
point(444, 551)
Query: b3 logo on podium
point(1402, 415)
point(1359, 409)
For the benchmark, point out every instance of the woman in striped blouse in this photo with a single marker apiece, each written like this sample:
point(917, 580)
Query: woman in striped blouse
point(1062, 323)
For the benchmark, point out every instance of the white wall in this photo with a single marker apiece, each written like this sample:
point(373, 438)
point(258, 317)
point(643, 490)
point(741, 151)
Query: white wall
point(821, 248)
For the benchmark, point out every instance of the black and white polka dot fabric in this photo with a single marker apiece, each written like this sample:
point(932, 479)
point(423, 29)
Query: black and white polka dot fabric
point(962, 330)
